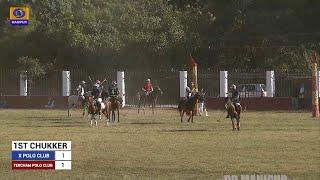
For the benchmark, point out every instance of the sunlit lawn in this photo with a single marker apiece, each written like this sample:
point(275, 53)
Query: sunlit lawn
point(160, 147)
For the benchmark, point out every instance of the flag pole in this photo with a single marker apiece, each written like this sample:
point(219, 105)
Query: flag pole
point(195, 79)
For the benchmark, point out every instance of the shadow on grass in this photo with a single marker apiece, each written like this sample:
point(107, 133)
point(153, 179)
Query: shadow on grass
point(36, 117)
point(146, 123)
point(48, 118)
point(183, 130)
point(48, 126)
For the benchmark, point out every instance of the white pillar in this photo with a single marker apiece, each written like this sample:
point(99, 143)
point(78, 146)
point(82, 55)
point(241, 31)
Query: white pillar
point(223, 83)
point(270, 83)
point(121, 86)
point(23, 84)
point(66, 86)
point(183, 82)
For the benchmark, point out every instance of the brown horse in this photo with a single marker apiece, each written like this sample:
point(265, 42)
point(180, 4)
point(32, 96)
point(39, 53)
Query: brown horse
point(188, 106)
point(234, 113)
point(150, 99)
point(92, 110)
point(114, 104)
point(106, 110)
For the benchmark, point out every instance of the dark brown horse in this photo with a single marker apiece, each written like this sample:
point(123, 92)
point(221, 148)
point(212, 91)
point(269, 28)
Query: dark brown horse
point(188, 106)
point(234, 113)
point(150, 99)
point(114, 104)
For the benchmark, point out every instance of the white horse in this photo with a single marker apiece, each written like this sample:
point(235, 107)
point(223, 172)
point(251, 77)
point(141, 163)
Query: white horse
point(74, 101)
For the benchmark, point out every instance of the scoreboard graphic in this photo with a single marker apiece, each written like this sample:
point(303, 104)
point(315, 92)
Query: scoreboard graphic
point(41, 155)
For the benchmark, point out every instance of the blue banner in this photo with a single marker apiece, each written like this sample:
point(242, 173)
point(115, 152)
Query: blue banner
point(33, 155)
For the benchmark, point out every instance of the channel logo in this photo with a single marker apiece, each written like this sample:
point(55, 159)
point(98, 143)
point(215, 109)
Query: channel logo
point(19, 16)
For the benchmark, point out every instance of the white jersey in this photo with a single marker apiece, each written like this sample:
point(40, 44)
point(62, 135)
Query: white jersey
point(188, 92)
point(80, 90)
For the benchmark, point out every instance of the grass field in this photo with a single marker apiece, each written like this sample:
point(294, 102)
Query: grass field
point(160, 147)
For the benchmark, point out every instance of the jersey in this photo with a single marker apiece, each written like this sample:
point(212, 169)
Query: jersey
point(80, 90)
point(188, 92)
point(97, 90)
point(113, 91)
point(148, 87)
point(235, 96)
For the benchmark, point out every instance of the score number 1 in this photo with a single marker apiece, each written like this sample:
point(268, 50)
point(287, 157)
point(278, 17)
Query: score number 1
point(63, 160)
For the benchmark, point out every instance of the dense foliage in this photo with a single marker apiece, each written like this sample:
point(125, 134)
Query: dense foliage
point(220, 34)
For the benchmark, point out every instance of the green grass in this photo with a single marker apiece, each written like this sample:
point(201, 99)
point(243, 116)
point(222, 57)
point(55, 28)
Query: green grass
point(160, 147)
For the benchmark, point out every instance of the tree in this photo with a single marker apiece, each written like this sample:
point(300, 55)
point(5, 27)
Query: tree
point(31, 68)
point(243, 34)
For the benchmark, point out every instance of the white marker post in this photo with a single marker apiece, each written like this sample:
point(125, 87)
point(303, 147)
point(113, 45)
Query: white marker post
point(23, 84)
point(121, 86)
point(66, 86)
point(183, 82)
point(223, 83)
point(270, 83)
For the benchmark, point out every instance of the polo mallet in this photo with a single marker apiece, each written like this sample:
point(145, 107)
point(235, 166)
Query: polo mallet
point(105, 80)
point(219, 119)
point(90, 79)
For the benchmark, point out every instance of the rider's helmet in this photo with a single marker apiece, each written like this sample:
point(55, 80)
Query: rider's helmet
point(147, 80)
point(233, 87)
point(83, 82)
point(114, 83)
point(98, 81)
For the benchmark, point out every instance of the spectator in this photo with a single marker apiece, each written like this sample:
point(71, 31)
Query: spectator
point(3, 102)
point(301, 97)
point(50, 103)
point(295, 101)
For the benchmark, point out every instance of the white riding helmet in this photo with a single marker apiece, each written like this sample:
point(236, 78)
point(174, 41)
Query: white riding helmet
point(83, 82)
point(148, 80)
point(233, 86)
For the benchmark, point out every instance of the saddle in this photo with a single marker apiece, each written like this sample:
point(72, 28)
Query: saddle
point(237, 107)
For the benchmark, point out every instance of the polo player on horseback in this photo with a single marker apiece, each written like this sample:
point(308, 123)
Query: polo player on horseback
point(194, 89)
point(147, 87)
point(96, 92)
point(235, 97)
point(202, 102)
point(81, 91)
point(191, 91)
point(188, 92)
point(113, 91)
